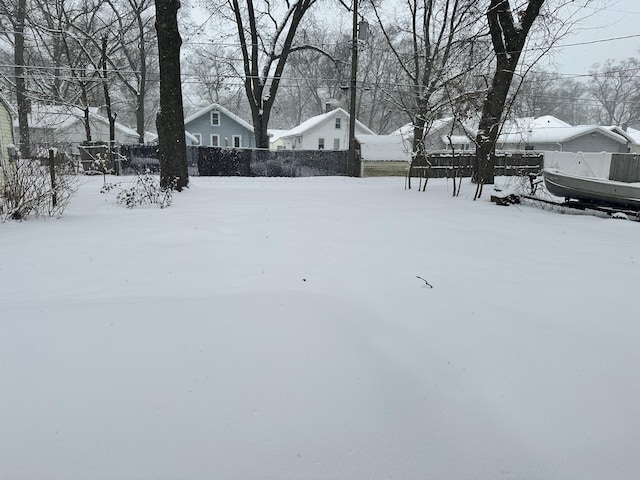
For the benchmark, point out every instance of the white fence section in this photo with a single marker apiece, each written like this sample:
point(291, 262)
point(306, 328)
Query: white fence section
point(587, 164)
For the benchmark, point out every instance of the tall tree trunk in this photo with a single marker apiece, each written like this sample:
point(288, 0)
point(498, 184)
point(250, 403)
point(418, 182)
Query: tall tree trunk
point(84, 99)
point(170, 119)
point(21, 82)
point(508, 37)
point(140, 116)
point(490, 122)
point(260, 125)
point(111, 116)
point(142, 83)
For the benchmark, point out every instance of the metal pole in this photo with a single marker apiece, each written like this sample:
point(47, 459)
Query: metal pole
point(351, 162)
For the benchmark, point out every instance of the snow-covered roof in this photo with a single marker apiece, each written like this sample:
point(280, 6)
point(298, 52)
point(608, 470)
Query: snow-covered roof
point(384, 148)
point(314, 122)
point(630, 136)
point(153, 137)
point(220, 108)
point(634, 134)
point(456, 139)
point(276, 134)
point(538, 135)
point(59, 117)
point(406, 131)
point(533, 123)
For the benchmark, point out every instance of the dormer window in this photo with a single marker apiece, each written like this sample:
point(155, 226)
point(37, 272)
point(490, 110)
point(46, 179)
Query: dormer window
point(338, 123)
point(215, 118)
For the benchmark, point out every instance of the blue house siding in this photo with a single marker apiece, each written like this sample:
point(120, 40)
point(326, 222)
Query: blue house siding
point(230, 132)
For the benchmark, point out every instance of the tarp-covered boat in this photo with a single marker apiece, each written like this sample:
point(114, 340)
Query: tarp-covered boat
point(592, 190)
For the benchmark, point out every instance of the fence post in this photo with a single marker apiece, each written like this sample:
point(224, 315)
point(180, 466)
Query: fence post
point(52, 174)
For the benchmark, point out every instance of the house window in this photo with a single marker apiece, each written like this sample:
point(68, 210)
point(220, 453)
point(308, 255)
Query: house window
point(198, 138)
point(215, 118)
point(338, 123)
point(336, 144)
point(237, 141)
point(321, 144)
point(214, 140)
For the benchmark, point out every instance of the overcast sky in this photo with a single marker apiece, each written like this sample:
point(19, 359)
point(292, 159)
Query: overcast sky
point(620, 18)
point(599, 35)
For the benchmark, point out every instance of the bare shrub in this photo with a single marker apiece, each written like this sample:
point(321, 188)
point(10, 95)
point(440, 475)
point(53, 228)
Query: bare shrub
point(144, 190)
point(30, 192)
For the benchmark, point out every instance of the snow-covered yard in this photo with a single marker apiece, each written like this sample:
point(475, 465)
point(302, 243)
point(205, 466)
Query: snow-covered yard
point(275, 329)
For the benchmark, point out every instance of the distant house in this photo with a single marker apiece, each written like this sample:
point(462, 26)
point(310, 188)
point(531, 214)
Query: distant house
point(631, 133)
point(545, 133)
point(383, 155)
point(7, 143)
point(215, 126)
point(328, 131)
point(440, 135)
point(275, 138)
point(548, 133)
point(63, 127)
point(190, 140)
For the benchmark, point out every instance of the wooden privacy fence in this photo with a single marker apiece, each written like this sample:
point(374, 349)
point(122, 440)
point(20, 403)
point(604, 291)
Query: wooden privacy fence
point(625, 167)
point(218, 161)
point(448, 166)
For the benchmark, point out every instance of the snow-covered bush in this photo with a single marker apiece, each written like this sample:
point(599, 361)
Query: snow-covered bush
point(29, 192)
point(144, 190)
point(527, 184)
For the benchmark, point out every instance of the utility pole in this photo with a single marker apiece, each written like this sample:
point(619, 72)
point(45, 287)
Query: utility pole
point(351, 162)
point(360, 32)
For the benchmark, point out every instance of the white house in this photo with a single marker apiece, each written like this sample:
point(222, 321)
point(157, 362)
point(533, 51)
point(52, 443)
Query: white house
point(275, 138)
point(328, 131)
point(634, 135)
point(544, 133)
point(64, 127)
point(549, 133)
point(190, 140)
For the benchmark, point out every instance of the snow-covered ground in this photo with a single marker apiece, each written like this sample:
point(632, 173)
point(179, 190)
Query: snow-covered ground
point(275, 329)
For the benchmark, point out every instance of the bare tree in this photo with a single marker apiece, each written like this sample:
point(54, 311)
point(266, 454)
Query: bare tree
point(213, 76)
point(314, 77)
point(616, 88)
point(545, 93)
point(266, 40)
point(135, 38)
point(432, 46)
point(508, 36)
point(20, 76)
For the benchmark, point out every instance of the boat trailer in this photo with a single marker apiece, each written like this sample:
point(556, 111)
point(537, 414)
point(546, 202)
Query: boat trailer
point(612, 211)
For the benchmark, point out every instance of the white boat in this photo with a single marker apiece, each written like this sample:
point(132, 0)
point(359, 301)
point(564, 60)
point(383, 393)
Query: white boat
point(592, 190)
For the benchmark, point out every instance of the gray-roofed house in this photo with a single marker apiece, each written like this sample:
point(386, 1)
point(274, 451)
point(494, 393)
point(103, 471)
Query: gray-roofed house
point(215, 126)
point(327, 131)
point(63, 127)
point(440, 134)
point(548, 133)
point(545, 133)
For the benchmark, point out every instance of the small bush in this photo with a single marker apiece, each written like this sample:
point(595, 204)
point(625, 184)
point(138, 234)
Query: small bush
point(144, 190)
point(28, 191)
